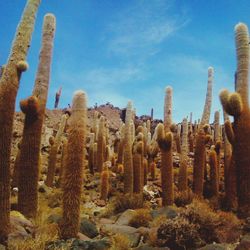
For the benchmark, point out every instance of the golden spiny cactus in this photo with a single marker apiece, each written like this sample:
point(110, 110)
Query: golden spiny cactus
point(104, 183)
point(200, 160)
point(207, 107)
point(182, 181)
point(168, 108)
point(128, 158)
point(34, 110)
point(53, 152)
point(165, 141)
point(137, 165)
point(9, 84)
point(214, 179)
point(73, 171)
point(237, 105)
point(63, 159)
point(91, 153)
point(100, 144)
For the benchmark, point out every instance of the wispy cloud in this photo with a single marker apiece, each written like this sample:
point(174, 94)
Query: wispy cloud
point(143, 26)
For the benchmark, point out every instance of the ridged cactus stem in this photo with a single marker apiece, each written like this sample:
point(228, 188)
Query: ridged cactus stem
point(207, 107)
point(73, 172)
point(165, 141)
point(168, 108)
point(214, 178)
point(63, 160)
point(137, 165)
point(200, 161)
point(128, 158)
point(53, 152)
point(229, 168)
point(237, 105)
point(182, 181)
point(34, 109)
point(9, 84)
point(216, 126)
point(104, 184)
point(100, 144)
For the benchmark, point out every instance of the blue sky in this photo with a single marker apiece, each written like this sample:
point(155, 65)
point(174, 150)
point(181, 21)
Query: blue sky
point(118, 50)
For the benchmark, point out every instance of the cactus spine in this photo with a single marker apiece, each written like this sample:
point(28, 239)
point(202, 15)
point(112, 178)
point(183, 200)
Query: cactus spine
point(128, 158)
point(73, 172)
point(183, 185)
point(237, 105)
point(53, 152)
point(9, 83)
point(165, 140)
point(34, 109)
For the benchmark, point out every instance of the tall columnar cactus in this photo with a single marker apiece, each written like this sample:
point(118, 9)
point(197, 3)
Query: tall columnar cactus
point(165, 140)
point(104, 183)
point(207, 107)
point(9, 84)
point(168, 108)
point(216, 126)
point(182, 181)
point(237, 105)
point(34, 110)
point(128, 158)
point(121, 146)
point(100, 144)
point(15, 175)
point(73, 173)
point(53, 152)
point(229, 168)
point(91, 153)
point(200, 160)
point(137, 165)
point(214, 178)
point(63, 160)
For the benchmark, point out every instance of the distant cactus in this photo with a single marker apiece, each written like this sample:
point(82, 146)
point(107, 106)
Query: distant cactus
point(207, 107)
point(237, 105)
point(91, 153)
point(145, 167)
point(230, 176)
point(214, 178)
point(153, 170)
point(182, 181)
point(202, 139)
point(34, 110)
point(104, 183)
point(137, 165)
point(53, 152)
point(165, 141)
point(168, 108)
point(100, 144)
point(73, 173)
point(9, 83)
point(128, 158)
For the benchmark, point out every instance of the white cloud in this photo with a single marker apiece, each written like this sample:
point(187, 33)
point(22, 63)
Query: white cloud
point(142, 27)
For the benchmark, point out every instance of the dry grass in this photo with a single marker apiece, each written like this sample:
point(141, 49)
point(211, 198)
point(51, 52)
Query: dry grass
point(141, 218)
point(120, 242)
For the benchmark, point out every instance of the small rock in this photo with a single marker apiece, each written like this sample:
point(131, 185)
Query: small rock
point(88, 228)
point(216, 247)
point(125, 217)
point(54, 218)
point(147, 247)
point(82, 237)
point(169, 212)
point(106, 221)
point(102, 244)
point(244, 243)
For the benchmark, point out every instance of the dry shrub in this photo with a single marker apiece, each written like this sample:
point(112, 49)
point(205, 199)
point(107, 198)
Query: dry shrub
point(127, 201)
point(141, 218)
point(120, 242)
point(183, 198)
point(159, 220)
point(179, 234)
point(213, 226)
point(44, 235)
